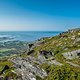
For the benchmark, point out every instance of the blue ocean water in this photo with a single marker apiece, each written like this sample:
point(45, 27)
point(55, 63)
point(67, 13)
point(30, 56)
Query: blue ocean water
point(26, 35)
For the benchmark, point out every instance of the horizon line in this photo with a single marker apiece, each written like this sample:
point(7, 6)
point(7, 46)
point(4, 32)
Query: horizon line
point(29, 30)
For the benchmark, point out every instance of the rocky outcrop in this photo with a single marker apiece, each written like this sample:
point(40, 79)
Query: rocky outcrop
point(72, 64)
point(41, 59)
point(72, 54)
point(46, 54)
point(30, 52)
point(28, 69)
point(55, 62)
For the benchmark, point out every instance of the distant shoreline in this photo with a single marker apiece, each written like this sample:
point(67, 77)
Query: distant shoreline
point(28, 36)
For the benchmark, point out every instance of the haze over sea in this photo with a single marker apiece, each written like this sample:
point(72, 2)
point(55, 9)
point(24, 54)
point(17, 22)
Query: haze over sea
point(26, 35)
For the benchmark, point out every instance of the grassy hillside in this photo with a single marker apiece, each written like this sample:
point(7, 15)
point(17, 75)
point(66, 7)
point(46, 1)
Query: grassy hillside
point(62, 64)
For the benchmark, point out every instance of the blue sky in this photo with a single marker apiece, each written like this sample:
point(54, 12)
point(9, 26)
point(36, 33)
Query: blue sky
point(39, 15)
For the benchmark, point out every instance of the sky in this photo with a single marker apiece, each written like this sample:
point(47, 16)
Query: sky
point(39, 15)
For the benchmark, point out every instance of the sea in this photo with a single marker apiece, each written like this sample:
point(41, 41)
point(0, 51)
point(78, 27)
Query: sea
point(25, 35)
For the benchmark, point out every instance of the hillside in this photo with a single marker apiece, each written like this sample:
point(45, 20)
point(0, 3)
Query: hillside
point(49, 58)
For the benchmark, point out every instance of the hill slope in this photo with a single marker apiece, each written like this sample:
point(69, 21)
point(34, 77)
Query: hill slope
point(53, 58)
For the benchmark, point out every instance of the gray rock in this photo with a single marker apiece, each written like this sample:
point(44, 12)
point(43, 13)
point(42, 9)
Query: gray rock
point(77, 40)
point(46, 54)
point(72, 64)
point(28, 69)
point(41, 59)
point(72, 55)
point(55, 63)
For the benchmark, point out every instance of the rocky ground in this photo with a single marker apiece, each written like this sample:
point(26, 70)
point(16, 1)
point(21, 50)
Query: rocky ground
point(52, 58)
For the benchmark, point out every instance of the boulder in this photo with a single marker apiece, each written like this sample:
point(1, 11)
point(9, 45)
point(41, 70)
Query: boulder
point(30, 52)
point(72, 55)
point(45, 53)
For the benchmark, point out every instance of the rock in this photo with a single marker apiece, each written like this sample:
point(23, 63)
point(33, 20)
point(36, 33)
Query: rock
point(74, 30)
point(77, 40)
point(72, 64)
point(72, 55)
point(47, 54)
point(30, 52)
point(28, 69)
point(4, 69)
point(41, 59)
point(25, 74)
point(30, 45)
point(55, 63)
